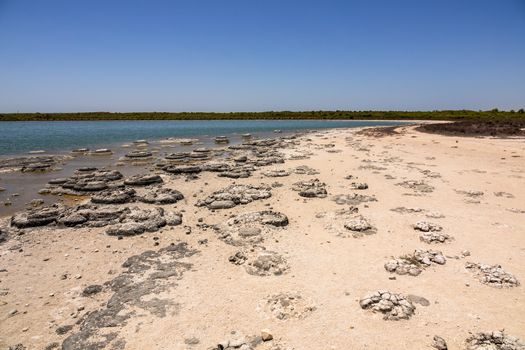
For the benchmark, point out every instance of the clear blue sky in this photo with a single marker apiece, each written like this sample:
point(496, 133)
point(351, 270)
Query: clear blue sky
point(252, 55)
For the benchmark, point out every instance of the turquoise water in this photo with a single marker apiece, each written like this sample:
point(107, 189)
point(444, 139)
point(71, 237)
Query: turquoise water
point(22, 137)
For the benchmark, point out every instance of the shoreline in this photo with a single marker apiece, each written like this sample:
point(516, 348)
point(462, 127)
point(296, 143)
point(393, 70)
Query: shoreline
point(189, 277)
point(96, 134)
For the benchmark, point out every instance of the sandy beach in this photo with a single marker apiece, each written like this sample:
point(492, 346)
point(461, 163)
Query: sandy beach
point(337, 239)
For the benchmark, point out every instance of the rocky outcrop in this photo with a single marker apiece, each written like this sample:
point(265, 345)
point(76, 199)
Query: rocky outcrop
point(114, 196)
point(310, 189)
point(160, 195)
point(496, 340)
point(143, 180)
point(250, 228)
point(234, 195)
point(415, 263)
point(393, 306)
point(492, 275)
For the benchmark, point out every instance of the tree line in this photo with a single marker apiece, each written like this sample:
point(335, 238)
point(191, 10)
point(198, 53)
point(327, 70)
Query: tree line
point(326, 115)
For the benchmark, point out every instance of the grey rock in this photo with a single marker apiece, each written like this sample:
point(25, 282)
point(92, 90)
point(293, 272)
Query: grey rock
point(249, 228)
point(276, 173)
point(161, 196)
point(221, 204)
point(417, 186)
point(393, 306)
point(359, 186)
point(426, 226)
point(235, 195)
point(143, 180)
point(434, 237)
point(37, 216)
point(353, 199)
point(310, 189)
point(496, 340)
point(92, 290)
point(114, 196)
point(266, 263)
point(492, 275)
point(415, 263)
point(139, 155)
point(63, 329)
point(177, 169)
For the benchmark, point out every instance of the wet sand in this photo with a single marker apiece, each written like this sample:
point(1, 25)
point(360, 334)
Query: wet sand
point(199, 283)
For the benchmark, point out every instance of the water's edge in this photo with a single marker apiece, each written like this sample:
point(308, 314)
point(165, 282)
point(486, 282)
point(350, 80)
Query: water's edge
point(20, 138)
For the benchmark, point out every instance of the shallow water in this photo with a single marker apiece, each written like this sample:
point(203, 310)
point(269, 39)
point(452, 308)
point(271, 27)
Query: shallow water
point(60, 137)
point(22, 137)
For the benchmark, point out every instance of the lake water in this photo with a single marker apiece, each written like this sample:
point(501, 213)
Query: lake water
point(18, 138)
point(21, 137)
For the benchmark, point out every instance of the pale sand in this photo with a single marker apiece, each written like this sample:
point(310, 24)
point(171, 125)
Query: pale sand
point(215, 297)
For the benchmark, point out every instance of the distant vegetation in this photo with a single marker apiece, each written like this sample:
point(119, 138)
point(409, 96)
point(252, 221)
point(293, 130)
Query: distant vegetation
point(335, 115)
point(478, 127)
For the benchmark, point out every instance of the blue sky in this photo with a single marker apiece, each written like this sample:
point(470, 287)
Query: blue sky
point(248, 55)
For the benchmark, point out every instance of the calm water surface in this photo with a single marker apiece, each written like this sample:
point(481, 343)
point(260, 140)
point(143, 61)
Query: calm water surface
point(22, 137)
point(18, 138)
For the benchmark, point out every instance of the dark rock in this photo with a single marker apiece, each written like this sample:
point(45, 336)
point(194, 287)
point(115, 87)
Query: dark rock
point(114, 196)
point(139, 287)
point(178, 169)
point(37, 216)
point(139, 155)
point(63, 329)
point(142, 180)
point(92, 290)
